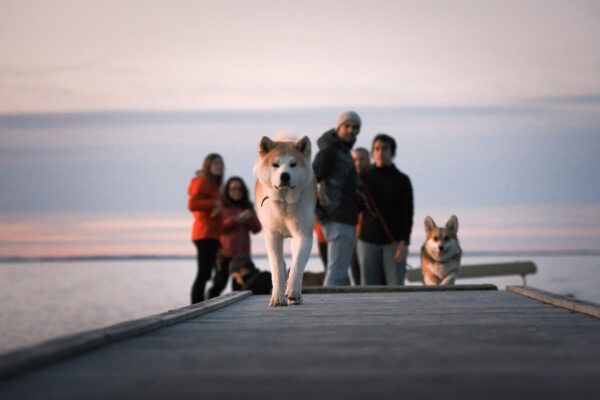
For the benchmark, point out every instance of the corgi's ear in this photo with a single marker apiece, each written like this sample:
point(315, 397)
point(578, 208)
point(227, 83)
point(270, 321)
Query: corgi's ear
point(452, 225)
point(265, 145)
point(429, 225)
point(303, 146)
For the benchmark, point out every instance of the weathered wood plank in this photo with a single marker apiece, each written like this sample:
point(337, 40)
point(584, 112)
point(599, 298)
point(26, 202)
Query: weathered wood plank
point(69, 345)
point(569, 303)
point(383, 345)
point(385, 288)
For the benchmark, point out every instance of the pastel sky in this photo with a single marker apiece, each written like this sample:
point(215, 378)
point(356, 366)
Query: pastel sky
point(108, 107)
point(70, 55)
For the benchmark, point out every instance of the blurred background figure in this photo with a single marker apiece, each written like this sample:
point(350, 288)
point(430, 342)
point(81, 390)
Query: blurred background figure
point(239, 220)
point(321, 243)
point(362, 162)
point(385, 229)
point(204, 201)
point(248, 277)
point(337, 196)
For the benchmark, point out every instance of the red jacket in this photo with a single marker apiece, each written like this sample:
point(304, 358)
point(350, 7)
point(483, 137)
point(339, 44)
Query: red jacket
point(235, 239)
point(203, 196)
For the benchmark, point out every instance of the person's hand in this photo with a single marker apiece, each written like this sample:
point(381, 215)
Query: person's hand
point(322, 196)
point(215, 211)
point(401, 252)
point(244, 215)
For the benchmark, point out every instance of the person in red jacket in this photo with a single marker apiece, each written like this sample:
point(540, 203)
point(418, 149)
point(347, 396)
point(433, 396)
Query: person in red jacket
point(204, 202)
point(239, 219)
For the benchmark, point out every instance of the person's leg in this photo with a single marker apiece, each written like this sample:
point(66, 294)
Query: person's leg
point(370, 262)
point(221, 277)
point(323, 254)
point(340, 242)
point(394, 271)
point(207, 255)
point(355, 268)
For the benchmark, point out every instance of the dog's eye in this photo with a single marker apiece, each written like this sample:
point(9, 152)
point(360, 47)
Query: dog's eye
point(435, 239)
point(446, 238)
point(293, 165)
point(275, 165)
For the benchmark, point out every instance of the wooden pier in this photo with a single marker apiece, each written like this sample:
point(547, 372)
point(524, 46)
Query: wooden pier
point(470, 342)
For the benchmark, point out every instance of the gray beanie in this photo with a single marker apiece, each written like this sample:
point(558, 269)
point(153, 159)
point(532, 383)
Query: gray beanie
point(348, 116)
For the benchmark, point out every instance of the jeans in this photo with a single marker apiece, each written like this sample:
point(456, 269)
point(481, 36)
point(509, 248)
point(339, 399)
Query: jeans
point(378, 266)
point(340, 242)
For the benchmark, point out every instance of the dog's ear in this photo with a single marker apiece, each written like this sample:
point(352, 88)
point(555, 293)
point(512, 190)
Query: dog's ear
point(265, 146)
point(452, 225)
point(429, 225)
point(303, 146)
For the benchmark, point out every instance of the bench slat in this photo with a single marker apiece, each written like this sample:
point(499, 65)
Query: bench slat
point(483, 270)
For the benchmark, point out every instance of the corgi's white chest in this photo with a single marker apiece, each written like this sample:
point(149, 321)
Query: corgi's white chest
point(443, 269)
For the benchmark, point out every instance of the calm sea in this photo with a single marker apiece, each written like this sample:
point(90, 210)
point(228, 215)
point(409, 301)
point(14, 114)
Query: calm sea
point(44, 300)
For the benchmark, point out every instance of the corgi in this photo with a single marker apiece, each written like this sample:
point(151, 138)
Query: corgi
point(441, 253)
point(285, 198)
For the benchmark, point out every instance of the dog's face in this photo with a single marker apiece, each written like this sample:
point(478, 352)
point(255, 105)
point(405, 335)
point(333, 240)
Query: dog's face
point(441, 243)
point(284, 167)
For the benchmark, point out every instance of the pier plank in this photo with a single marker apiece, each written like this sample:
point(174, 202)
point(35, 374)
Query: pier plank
point(388, 345)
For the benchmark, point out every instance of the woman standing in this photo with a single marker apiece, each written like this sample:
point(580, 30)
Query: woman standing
point(239, 219)
point(205, 204)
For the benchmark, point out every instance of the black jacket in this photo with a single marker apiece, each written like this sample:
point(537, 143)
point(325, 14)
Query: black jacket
point(334, 170)
point(392, 193)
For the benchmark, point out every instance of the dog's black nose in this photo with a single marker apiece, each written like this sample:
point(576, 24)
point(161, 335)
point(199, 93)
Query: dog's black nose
point(441, 248)
point(285, 177)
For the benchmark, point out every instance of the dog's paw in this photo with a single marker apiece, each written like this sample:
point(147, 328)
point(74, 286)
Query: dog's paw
point(294, 299)
point(278, 301)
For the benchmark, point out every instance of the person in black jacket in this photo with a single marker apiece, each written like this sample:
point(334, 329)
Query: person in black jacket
point(248, 277)
point(338, 203)
point(386, 228)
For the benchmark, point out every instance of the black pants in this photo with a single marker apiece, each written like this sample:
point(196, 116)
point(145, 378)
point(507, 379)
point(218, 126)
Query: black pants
point(323, 254)
point(221, 277)
point(207, 256)
point(355, 268)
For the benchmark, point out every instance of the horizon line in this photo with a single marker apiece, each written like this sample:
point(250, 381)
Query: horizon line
point(150, 257)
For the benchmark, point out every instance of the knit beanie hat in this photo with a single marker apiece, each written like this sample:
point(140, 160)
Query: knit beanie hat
point(348, 116)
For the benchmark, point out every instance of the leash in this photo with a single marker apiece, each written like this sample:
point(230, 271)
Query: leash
point(373, 205)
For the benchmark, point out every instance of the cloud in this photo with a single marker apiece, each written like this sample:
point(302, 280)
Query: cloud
point(515, 228)
point(76, 234)
point(573, 99)
point(48, 70)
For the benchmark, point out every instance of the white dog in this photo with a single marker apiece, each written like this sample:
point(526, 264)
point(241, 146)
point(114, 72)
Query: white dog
point(285, 200)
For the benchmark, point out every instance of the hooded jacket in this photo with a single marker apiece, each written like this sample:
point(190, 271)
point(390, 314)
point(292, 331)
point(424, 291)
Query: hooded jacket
point(334, 170)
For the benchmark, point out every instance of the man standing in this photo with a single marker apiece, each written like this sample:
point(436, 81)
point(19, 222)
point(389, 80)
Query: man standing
point(385, 230)
point(337, 206)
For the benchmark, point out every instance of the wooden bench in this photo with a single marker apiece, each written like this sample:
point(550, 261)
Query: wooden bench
point(522, 268)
